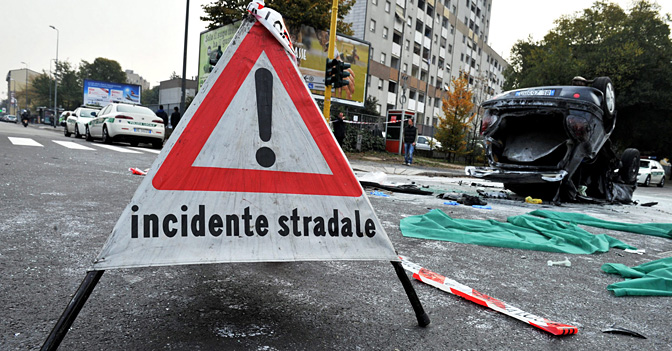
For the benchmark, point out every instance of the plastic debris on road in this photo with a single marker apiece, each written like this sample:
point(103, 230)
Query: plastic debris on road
point(138, 171)
point(531, 200)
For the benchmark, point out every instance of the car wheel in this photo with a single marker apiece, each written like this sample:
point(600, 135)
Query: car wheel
point(66, 132)
point(662, 182)
point(647, 181)
point(629, 166)
point(77, 133)
point(88, 136)
point(106, 136)
point(604, 85)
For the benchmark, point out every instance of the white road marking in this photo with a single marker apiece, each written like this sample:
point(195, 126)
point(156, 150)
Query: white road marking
point(118, 149)
point(146, 150)
point(72, 145)
point(24, 141)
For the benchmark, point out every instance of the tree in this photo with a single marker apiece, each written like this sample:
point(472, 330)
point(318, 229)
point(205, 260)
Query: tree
point(632, 48)
point(150, 96)
point(454, 125)
point(70, 91)
point(103, 70)
point(313, 13)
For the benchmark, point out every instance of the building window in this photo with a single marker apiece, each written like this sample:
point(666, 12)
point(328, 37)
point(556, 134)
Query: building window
point(383, 57)
point(411, 94)
point(375, 2)
point(387, 6)
point(392, 87)
point(372, 26)
point(405, 68)
point(385, 31)
point(378, 107)
point(407, 45)
point(380, 84)
point(409, 21)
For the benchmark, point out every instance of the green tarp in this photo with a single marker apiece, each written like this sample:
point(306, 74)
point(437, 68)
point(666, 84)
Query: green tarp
point(656, 229)
point(520, 232)
point(649, 279)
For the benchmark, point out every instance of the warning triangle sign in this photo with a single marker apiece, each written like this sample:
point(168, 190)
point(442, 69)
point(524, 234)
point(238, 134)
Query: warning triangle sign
point(251, 174)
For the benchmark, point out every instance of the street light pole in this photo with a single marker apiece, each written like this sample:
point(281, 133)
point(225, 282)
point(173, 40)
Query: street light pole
point(184, 62)
point(55, 77)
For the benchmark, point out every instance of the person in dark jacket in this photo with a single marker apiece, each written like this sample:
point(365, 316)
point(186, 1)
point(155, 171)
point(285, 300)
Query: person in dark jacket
point(175, 117)
point(339, 129)
point(164, 116)
point(410, 135)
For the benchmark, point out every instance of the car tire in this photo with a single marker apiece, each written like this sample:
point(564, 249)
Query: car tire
point(647, 181)
point(66, 132)
point(662, 182)
point(87, 135)
point(106, 136)
point(77, 133)
point(629, 166)
point(605, 85)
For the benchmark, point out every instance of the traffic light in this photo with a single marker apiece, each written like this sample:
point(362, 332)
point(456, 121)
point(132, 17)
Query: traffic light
point(329, 74)
point(336, 73)
point(340, 74)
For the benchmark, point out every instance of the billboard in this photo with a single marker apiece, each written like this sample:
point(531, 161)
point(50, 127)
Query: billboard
point(310, 47)
point(102, 93)
point(212, 45)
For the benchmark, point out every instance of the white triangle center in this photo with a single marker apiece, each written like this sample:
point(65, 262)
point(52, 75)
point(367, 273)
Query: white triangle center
point(238, 129)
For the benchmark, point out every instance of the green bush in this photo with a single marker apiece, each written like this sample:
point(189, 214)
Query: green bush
point(370, 142)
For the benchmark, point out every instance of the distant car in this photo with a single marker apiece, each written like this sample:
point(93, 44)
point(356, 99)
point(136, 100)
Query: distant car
point(126, 123)
point(10, 119)
point(651, 171)
point(427, 143)
point(76, 122)
point(554, 142)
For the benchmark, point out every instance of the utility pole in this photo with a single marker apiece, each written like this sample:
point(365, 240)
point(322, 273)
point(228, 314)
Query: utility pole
point(330, 56)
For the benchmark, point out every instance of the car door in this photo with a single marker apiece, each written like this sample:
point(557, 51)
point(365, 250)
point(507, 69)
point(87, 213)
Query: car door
point(96, 124)
point(657, 172)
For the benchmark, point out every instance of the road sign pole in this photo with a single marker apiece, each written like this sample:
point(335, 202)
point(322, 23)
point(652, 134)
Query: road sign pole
point(72, 310)
point(330, 56)
point(420, 314)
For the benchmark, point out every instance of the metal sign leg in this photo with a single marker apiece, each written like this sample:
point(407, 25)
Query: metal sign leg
point(72, 310)
point(423, 318)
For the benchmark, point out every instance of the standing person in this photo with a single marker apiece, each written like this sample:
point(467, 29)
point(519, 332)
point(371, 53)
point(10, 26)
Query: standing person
point(339, 129)
point(164, 116)
point(410, 135)
point(175, 117)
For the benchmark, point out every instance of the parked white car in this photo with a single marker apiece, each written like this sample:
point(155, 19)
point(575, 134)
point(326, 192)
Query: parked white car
point(427, 143)
point(126, 123)
point(651, 171)
point(76, 122)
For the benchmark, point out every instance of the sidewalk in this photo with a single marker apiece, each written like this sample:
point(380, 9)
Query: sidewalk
point(389, 167)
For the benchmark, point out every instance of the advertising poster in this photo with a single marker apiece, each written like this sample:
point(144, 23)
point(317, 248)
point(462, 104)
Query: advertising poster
point(310, 47)
point(102, 93)
point(212, 45)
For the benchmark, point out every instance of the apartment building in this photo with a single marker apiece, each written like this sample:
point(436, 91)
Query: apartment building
point(419, 46)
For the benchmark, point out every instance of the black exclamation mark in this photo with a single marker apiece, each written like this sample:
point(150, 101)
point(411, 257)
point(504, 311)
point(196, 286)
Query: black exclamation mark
point(264, 84)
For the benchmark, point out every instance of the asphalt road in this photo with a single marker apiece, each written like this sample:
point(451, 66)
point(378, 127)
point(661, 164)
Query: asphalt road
point(59, 205)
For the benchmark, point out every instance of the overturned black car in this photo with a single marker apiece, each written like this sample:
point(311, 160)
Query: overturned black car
point(553, 143)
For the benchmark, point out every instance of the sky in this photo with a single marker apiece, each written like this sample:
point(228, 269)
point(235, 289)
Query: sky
point(147, 36)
